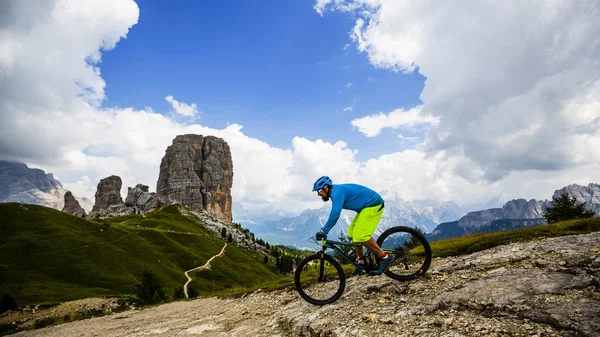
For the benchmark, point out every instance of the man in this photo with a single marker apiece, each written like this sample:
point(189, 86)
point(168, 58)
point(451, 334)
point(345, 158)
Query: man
point(368, 205)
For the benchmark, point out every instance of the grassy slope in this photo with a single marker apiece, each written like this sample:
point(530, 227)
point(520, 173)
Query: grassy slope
point(47, 256)
point(473, 243)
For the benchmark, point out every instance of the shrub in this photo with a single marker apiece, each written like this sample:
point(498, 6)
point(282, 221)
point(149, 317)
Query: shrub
point(7, 303)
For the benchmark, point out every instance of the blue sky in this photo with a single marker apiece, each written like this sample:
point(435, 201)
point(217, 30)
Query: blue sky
point(496, 107)
point(279, 71)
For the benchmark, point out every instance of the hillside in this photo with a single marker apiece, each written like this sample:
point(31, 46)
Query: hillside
point(48, 256)
point(543, 287)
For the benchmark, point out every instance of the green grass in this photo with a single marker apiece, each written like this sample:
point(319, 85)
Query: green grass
point(47, 256)
point(478, 242)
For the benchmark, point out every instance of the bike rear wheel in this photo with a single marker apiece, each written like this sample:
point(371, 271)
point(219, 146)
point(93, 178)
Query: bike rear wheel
point(411, 252)
point(320, 279)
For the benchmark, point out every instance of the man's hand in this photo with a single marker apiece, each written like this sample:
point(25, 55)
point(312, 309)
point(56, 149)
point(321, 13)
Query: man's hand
point(321, 235)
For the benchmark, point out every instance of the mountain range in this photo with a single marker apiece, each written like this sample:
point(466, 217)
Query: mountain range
point(19, 183)
point(297, 230)
point(439, 219)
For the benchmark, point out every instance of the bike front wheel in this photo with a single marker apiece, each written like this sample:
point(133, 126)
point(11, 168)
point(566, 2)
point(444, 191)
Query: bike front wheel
point(319, 279)
point(411, 252)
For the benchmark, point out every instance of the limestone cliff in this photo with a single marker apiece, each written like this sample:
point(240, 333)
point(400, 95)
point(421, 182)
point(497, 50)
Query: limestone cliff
point(108, 199)
point(19, 183)
point(589, 194)
point(140, 199)
point(197, 171)
point(72, 205)
point(513, 209)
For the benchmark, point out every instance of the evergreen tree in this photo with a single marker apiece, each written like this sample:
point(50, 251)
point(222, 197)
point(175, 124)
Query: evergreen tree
point(285, 265)
point(223, 233)
point(192, 292)
point(566, 207)
point(268, 246)
point(414, 241)
point(178, 293)
point(150, 291)
point(266, 259)
point(229, 238)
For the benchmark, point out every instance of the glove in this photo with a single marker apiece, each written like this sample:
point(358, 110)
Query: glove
point(321, 235)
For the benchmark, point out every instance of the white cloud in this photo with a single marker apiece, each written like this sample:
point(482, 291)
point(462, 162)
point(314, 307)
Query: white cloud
point(348, 108)
point(348, 85)
point(372, 125)
point(50, 91)
point(514, 85)
point(346, 46)
point(410, 139)
point(182, 108)
point(320, 6)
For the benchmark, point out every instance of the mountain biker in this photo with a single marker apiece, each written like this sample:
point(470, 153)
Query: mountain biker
point(368, 205)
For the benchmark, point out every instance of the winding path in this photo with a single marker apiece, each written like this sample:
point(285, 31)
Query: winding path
point(205, 266)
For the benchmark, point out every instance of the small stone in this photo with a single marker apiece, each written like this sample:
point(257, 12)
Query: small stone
point(562, 263)
point(370, 317)
point(593, 251)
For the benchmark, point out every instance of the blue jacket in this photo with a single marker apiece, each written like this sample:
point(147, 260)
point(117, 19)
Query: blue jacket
point(350, 196)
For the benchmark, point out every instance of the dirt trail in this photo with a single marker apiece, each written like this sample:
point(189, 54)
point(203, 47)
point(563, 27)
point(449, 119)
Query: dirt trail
point(205, 266)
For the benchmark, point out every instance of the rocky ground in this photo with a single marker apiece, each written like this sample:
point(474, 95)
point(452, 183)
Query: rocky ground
point(547, 287)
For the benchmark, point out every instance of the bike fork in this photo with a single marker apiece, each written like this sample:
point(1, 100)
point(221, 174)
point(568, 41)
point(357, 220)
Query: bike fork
point(322, 267)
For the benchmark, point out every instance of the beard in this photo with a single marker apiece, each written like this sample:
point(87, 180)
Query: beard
point(325, 198)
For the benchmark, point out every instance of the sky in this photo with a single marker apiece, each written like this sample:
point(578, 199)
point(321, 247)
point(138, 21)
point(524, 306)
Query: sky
point(469, 102)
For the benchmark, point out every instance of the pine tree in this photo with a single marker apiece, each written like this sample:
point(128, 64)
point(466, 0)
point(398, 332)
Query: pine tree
point(414, 241)
point(229, 238)
point(224, 233)
point(566, 207)
point(192, 292)
point(150, 291)
point(178, 293)
point(266, 259)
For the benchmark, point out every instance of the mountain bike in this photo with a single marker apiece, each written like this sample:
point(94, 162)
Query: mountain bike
point(320, 278)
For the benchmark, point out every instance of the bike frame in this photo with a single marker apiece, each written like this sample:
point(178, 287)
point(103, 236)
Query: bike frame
point(331, 244)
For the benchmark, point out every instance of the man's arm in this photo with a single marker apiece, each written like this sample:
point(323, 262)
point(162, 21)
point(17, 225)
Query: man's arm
point(337, 201)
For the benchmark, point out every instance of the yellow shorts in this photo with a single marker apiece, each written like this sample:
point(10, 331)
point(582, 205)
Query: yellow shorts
point(364, 224)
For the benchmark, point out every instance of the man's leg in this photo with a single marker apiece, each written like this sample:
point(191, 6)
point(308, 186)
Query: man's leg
point(363, 231)
point(358, 246)
point(372, 245)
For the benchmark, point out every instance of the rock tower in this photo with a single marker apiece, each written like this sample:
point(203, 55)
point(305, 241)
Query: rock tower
point(197, 171)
